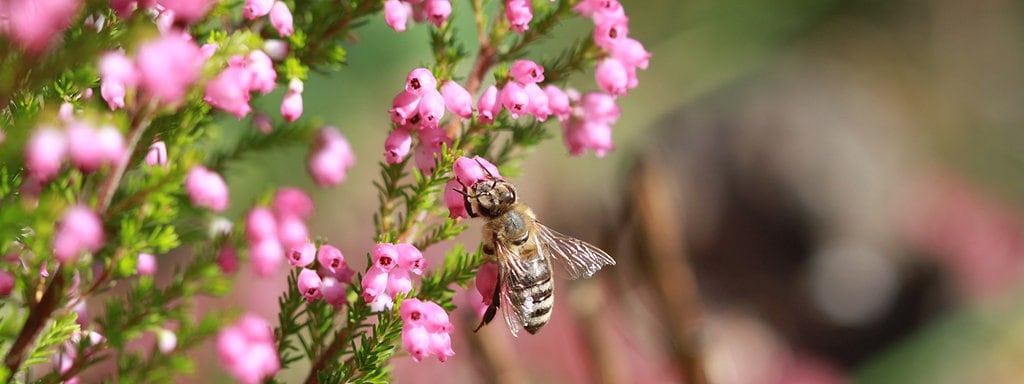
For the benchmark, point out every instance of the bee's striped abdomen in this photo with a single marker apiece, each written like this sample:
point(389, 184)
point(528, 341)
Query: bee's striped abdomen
point(532, 294)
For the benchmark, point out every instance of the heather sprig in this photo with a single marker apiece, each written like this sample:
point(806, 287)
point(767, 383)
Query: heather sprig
point(115, 156)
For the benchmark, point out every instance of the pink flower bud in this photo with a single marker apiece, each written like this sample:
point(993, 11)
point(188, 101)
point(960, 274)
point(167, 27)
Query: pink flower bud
point(397, 145)
point(113, 93)
point(431, 108)
point(631, 53)
point(419, 81)
point(45, 152)
point(431, 143)
point(331, 158)
point(416, 341)
point(538, 102)
point(468, 171)
point(167, 67)
point(229, 91)
point(265, 256)
point(206, 189)
point(375, 281)
point(457, 99)
point(488, 107)
point(385, 256)
point(486, 281)
point(410, 258)
point(260, 224)
point(396, 14)
point(526, 72)
point(6, 283)
point(66, 113)
point(334, 292)
point(558, 102)
point(256, 8)
point(291, 201)
point(398, 282)
point(157, 154)
point(302, 255)
point(291, 231)
point(404, 107)
point(264, 78)
point(277, 49)
point(514, 99)
point(281, 19)
point(437, 11)
point(331, 259)
point(291, 106)
point(310, 285)
point(454, 200)
point(33, 24)
point(189, 11)
point(227, 259)
point(79, 230)
point(599, 107)
point(519, 13)
point(611, 76)
point(146, 265)
point(611, 31)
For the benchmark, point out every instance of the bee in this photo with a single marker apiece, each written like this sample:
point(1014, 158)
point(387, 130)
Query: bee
point(525, 251)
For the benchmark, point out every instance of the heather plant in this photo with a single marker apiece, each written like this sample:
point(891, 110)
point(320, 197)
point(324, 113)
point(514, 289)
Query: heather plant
point(113, 156)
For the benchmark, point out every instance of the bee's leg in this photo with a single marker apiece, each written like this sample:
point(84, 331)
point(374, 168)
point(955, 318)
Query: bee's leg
point(493, 308)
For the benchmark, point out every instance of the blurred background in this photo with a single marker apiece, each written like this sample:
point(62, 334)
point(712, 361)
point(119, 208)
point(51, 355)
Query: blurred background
point(802, 192)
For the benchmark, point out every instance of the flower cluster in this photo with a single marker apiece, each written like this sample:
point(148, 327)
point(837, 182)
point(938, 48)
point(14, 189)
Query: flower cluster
point(397, 13)
point(468, 171)
point(206, 189)
point(426, 330)
point(280, 15)
point(330, 158)
point(79, 230)
point(389, 275)
point(89, 148)
point(419, 108)
point(164, 69)
point(521, 95)
point(246, 348)
point(271, 231)
point(589, 125)
point(229, 90)
point(327, 282)
point(616, 73)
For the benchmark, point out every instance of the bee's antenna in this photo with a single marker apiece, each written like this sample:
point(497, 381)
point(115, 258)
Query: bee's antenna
point(487, 171)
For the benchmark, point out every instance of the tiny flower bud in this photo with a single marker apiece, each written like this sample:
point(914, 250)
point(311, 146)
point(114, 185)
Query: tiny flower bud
point(277, 49)
point(457, 99)
point(302, 255)
point(206, 189)
point(488, 107)
point(146, 264)
point(291, 105)
point(310, 285)
point(157, 155)
point(397, 145)
point(281, 19)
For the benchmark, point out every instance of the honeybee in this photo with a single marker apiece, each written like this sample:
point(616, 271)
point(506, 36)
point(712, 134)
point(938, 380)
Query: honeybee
point(525, 251)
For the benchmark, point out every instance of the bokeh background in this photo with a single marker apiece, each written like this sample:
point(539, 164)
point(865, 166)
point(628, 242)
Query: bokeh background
point(802, 192)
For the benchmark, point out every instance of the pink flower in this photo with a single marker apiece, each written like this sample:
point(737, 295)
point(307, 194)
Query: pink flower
point(437, 11)
point(310, 285)
point(486, 280)
point(79, 230)
point(411, 312)
point(265, 256)
point(454, 200)
point(167, 66)
point(526, 72)
point(396, 14)
point(113, 93)
point(416, 341)
point(331, 259)
point(206, 189)
point(281, 19)
point(82, 148)
point(264, 77)
point(157, 154)
point(599, 107)
point(431, 108)
point(291, 201)
point(302, 255)
point(256, 8)
point(519, 13)
point(189, 11)
point(111, 144)
point(291, 106)
point(276, 49)
point(441, 346)
point(116, 73)
point(375, 281)
point(419, 81)
point(260, 224)
point(431, 142)
point(227, 259)
point(45, 153)
point(247, 350)
point(457, 99)
point(229, 91)
point(612, 77)
point(146, 264)
point(538, 106)
point(334, 292)
point(488, 107)
point(6, 283)
point(611, 31)
point(385, 256)
point(583, 135)
point(631, 53)
point(34, 23)
point(515, 99)
point(558, 102)
point(397, 145)
point(410, 258)
point(404, 107)
point(425, 330)
point(468, 171)
point(291, 231)
point(331, 158)
point(399, 282)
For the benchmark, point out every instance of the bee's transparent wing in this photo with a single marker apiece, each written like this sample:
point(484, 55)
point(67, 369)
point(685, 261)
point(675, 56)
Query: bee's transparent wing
point(510, 269)
point(576, 258)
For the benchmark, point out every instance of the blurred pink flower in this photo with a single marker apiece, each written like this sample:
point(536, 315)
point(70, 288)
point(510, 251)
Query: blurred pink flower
point(291, 201)
point(330, 158)
point(229, 91)
point(291, 231)
point(167, 66)
point(265, 256)
point(45, 153)
point(334, 292)
point(247, 350)
point(157, 154)
point(437, 11)
point(188, 11)
point(396, 14)
point(260, 224)
point(526, 72)
point(519, 14)
point(302, 256)
point(146, 264)
point(33, 24)
point(206, 189)
point(281, 19)
point(256, 8)
point(538, 107)
point(6, 283)
point(79, 230)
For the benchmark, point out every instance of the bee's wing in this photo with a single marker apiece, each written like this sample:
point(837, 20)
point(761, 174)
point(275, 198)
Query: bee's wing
point(511, 269)
point(576, 258)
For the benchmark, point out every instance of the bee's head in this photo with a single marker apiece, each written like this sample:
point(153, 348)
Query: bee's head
point(490, 198)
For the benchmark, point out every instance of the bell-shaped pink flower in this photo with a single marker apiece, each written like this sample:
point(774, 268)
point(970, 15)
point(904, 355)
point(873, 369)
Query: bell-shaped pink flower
point(600, 107)
point(79, 230)
point(206, 189)
point(229, 91)
point(526, 72)
point(488, 107)
point(583, 135)
point(331, 158)
point(113, 93)
point(334, 292)
point(265, 256)
point(302, 255)
point(385, 256)
point(514, 99)
point(167, 66)
point(404, 107)
point(631, 53)
point(146, 264)
point(33, 24)
point(291, 106)
point(416, 341)
point(431, 108)
point(519, 14)
point(457, 99)
point(157, 154)
point(45, 153)
point(397, 145)
point(291, 231)
point(264, 77)
point(486, 281)
point(332, 260)
point(435, 319)
point(611, 31)
point(420, 81)
point(260, 224)
point(291, 201)
point(410, 258)
point(432, 141)
point(454, 200)
point(558, 102)
point(538, 106)
point(612, 77)
point(281, 19)
point(310, 285)
point(441, 346)
point(396, 14)
point(411, 312)
point(437, 11)
point(399, 282)
point(375, 281)
point(256, 8)
point(469, 171)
